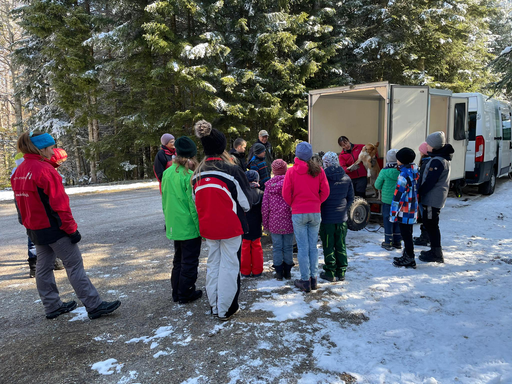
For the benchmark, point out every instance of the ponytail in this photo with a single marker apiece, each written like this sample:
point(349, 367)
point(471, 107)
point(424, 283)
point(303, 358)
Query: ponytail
point(25, 145)
point(314, 168)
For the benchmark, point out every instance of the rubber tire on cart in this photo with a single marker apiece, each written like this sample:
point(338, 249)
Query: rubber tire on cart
point(488, 187)
point(358, 214)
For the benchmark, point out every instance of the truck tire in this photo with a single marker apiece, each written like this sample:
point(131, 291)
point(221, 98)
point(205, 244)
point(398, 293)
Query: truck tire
point(358, 214)
point(488, 187)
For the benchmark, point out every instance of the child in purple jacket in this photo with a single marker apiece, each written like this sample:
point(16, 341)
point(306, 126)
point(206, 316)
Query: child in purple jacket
point(277, 219)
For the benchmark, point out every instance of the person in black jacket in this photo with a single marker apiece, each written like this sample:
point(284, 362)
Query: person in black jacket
point(252, 251)
point(238, 153)
point(333, 229)
point(263, 140)
point(163, 158)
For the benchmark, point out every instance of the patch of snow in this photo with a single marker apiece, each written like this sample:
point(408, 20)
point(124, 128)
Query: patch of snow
point(107, 367)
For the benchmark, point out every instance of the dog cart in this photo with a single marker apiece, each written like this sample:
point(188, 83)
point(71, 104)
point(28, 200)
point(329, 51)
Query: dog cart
point(396, 116)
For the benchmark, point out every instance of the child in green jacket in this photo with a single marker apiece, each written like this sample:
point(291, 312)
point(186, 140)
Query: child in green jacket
point(386, 181)
point(182, 224)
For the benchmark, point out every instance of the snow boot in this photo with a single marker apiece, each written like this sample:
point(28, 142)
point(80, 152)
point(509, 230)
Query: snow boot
point(303, 285)
point(434, 255)
point(324, 276)
point(58, 265)
point(287, 268)
point(314, 283)
point(193, 297)
point(32, 261)
point(279, 272)
point(423, 239)
point(387, 246)
point(397, 245)
point(405, 261)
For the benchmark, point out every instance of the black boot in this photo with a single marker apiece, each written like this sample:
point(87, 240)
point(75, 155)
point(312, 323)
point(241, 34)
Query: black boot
point(424, 239)
point(405, 261)
point(314, 283)
point(32, 265)
point(303, 285)
point(435, 255)
point(193, 297)
point(279, 272)
point(287, 271)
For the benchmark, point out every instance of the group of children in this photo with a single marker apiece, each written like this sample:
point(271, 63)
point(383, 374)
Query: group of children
point(217, 200)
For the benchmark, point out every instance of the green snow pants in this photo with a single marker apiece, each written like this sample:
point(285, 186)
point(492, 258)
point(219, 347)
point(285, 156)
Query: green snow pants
point(335, 252)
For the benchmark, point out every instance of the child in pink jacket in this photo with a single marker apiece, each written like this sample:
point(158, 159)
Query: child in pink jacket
point(305, 188)
point(277, 219)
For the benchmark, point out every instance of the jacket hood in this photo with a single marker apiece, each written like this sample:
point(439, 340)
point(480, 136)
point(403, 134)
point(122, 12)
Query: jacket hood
point(446, 152)
point(300, 166)
point(334, 173)
point(235, 153)
point(410, 169)
point(275, 185)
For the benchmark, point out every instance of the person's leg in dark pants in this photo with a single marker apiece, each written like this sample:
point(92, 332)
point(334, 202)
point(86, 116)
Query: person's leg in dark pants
point(190, 250)
point(431, 222)
point(407, 259)
point(176, 270)
point(359, 185)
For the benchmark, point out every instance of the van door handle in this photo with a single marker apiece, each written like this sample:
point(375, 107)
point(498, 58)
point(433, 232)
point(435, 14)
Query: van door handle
point(498, 138)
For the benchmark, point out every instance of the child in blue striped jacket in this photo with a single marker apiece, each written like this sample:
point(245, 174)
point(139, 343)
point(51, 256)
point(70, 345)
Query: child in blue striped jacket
point(404, 207)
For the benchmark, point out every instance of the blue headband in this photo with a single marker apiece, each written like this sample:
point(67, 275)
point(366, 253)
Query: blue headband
point(42, 141)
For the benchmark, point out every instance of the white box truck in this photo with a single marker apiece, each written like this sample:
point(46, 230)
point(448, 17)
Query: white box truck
point(394, 115)
point(489, 152)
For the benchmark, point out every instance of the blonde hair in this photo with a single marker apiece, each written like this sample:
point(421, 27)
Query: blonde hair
point(185, 162)
point(25, 145)
point(224, 157)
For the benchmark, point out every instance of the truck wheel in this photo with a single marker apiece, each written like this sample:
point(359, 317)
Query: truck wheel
point(358, 214)
point(487, 188)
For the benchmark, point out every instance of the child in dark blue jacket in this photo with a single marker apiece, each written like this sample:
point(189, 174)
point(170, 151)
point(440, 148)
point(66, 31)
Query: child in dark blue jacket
point(259, 164)
point(333, 229)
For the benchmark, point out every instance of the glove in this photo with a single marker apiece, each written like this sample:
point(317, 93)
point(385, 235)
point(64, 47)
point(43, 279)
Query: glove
point(75, 237)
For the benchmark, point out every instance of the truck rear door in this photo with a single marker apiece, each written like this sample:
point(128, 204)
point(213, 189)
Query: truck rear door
point(505, 157)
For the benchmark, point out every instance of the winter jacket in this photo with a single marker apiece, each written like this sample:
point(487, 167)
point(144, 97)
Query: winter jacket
point(254, 216)
point(386, 181)
point(341, 196)
point(180, 212)
point(239, 158)
point(347, 158)
point(163, 160)
point(222, 195)
point(404, 207)
point(41, 200)
point(303, 192)
point(269, 152)
point(262, 167)
point(276, 214)
point(436, 178)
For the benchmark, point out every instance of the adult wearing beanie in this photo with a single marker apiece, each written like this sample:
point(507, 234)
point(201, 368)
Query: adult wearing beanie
point(43, 208)
point(164, 156)
point(222, 195)
point(305, 188)
point(435, 183)
point(182, 224)
point(277, 219)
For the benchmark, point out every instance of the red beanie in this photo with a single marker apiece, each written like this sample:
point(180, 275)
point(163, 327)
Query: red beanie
point(59, 155)
point(279, 167)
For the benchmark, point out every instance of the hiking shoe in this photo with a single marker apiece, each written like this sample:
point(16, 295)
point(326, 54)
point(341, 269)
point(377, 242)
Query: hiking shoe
point(104, 309)
point(314, 283)
point(397, 245)
point(405, 261)
point(193, 297)
point(340, 277)
point(421, 241)
point(58, 265)
point(303, 285)
point(434, 255)
point(324, 276)
point(228, 315)
point(387, 246)
point(64, 308)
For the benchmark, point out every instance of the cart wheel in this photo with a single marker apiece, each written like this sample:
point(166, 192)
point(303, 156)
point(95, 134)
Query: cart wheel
point(358, 214)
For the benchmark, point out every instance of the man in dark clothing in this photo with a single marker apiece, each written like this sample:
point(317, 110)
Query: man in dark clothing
point(263, 139)
point(163, 158)
point(238, 153)
point(259, 164)
point(433, 192)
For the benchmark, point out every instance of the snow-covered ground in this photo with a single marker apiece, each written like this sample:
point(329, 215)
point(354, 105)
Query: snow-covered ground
point(440, 323)
point(8, 195)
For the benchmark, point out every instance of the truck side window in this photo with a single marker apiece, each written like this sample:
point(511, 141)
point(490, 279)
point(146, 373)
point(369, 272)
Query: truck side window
point(472, 126)
point(505, 126)
point(459, 132)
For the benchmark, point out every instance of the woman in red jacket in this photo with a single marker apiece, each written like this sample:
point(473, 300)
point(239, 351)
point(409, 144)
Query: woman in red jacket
point(305, 188)
point(348, 156)
point(43, 208)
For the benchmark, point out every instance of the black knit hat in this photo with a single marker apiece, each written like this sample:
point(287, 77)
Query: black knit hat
point(214, 142)
point(406, 156)
point(185, 147)
point(258, 148)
